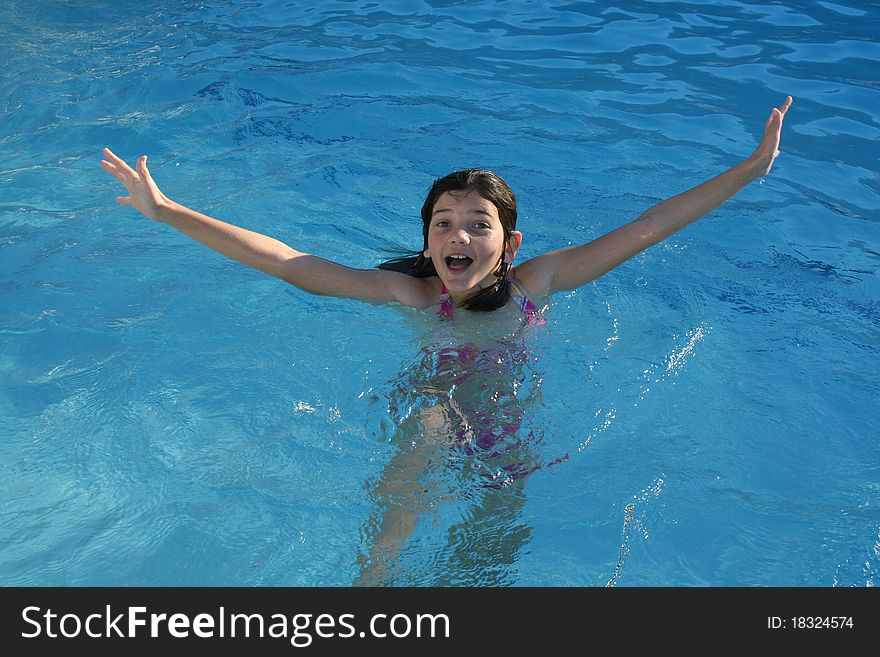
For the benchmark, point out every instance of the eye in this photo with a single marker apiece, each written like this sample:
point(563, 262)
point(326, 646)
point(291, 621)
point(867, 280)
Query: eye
point(482, 225)
point(442, 223)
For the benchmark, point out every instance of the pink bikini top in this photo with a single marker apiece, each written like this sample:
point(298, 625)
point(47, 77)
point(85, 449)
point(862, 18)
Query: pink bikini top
point(532, 315)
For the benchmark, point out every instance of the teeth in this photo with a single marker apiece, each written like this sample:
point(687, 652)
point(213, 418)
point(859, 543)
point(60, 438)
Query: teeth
point(458, 257)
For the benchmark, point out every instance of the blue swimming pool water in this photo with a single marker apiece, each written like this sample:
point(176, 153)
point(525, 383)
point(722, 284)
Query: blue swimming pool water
point(704, 415)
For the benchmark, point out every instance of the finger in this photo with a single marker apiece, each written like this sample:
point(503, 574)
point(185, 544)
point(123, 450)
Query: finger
point(111, 169)
point(123, 200)
point(119, 162)
point(142, 167)
point(784, 107)
point(774, 121)
point(113, 157)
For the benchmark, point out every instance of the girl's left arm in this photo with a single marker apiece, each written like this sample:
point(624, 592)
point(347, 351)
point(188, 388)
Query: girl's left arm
point(571, 267)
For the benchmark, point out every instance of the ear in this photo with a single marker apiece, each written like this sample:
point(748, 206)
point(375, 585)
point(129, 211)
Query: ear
point(512, 246)
point(427, 254)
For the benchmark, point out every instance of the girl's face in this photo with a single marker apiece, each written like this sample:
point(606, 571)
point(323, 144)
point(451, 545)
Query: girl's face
point(466, 242)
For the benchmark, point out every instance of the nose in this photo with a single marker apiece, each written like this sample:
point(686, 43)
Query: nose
point(459, 236)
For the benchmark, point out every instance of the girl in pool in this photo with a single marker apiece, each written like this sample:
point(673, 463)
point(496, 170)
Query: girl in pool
point(470, 239)
point(460, 403)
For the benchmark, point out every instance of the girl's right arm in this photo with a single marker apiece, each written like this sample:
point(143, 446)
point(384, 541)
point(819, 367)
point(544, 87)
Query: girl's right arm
point(261, 252)
point(571, 267)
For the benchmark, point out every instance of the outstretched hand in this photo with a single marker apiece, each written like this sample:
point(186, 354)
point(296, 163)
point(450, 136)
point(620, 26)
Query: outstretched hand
point(768, 149)
point(143, 193)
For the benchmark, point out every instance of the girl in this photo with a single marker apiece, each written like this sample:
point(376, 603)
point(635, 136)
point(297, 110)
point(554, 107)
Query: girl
point(470, 239)
point(458, 412)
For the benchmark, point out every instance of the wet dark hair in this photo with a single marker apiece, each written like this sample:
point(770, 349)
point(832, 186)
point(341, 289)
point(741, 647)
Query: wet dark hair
point(492, 188)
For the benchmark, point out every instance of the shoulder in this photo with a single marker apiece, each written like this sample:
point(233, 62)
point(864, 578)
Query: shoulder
point(410, 290)
point(533, 277)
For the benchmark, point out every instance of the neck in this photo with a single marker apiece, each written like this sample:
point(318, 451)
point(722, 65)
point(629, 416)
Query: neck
point(461, 297)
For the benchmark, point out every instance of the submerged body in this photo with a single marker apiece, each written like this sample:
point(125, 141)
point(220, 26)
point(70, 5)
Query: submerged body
point(460, 423)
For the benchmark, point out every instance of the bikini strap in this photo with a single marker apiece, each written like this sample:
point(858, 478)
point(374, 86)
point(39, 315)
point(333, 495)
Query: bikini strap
point(530, 310)
point(446, 305)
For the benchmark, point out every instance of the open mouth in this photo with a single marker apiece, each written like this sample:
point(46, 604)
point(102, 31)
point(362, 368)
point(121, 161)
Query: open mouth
point(457, 264)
